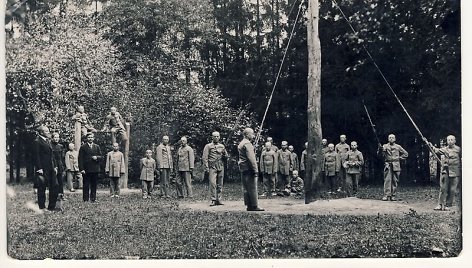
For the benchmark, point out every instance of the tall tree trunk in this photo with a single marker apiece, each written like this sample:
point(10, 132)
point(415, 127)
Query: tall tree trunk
point(313, 180)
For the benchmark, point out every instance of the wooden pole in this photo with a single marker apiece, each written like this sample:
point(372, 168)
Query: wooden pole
point(313, 181)
point(124, 181)
point(78, 135)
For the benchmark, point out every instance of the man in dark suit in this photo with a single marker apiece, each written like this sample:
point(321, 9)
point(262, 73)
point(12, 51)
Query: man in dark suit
point(46, 169)
point(89, 165)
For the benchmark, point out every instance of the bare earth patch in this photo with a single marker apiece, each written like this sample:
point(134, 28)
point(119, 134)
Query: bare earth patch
point(343, 206)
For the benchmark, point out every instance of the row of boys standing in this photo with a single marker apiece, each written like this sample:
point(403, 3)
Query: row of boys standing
point(341, 166)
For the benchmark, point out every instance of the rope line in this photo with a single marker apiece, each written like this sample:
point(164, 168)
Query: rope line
point(278, 75)
point(244, 107)
point(371, 123)
point(386, 81)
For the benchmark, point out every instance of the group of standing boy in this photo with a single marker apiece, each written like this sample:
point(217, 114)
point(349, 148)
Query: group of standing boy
point(341, 168)
point(281, 170)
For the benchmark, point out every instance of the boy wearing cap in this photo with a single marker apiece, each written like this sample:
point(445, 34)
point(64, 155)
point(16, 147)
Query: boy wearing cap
point(296, 184)
point(353, 164)
point(330, 167)
point(268, 168)
point(285, 166)
point(115, 168)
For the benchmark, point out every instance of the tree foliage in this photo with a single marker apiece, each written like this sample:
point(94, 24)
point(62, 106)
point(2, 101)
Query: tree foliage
point(187, 67)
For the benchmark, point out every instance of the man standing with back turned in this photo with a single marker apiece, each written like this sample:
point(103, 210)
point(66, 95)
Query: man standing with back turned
point(248, 167)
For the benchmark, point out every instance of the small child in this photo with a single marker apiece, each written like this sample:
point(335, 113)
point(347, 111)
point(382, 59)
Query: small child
point(115, 124)
point(148, 168)
point(296, 184)
point(82, 117)
point(115, 168)
point(72, 168)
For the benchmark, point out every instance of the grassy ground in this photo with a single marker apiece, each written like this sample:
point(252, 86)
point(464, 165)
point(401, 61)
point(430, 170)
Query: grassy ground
point(158, 228)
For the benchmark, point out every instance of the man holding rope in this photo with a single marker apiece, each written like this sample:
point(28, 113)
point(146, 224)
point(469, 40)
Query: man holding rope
point(248, 167)
point(450, 172)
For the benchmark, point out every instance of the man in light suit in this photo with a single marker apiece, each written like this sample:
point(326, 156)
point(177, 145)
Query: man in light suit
point(164, 165)
point(89, 165)
point(213, 157)
point(392, 154)
point(185, 165)
point(46, 169)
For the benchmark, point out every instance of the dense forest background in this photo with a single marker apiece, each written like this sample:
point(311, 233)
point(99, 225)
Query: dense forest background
point(190, 67)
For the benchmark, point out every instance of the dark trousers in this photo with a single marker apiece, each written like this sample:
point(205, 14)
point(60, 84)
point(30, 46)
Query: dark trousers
point(49, 181)
point(249, 182)
point(60, 182)
point(342, 178)
point(352, 183)
point(332, 182)
point(283, 182)
point(90, 186)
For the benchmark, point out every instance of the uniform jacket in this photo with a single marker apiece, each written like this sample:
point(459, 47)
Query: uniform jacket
point(148, 167)
point(213, 156)
point(71, 160)
point(58, 152)
point(85, 158)
point(44, 156)
point(354, 161)
point(273, 148)
point(164, 157)
point(296, 184)
point(341, 149)
point(186, 158)
point(268, 162)
point(284, 162)
point(115, 165)
point(331, 163)
point(294, 160)
point(247, 156)
point(393, 154)
point(324, 150)
point(451, 161)
point(303, 160)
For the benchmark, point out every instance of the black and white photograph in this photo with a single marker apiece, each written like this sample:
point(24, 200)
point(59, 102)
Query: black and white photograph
point(264, 130)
